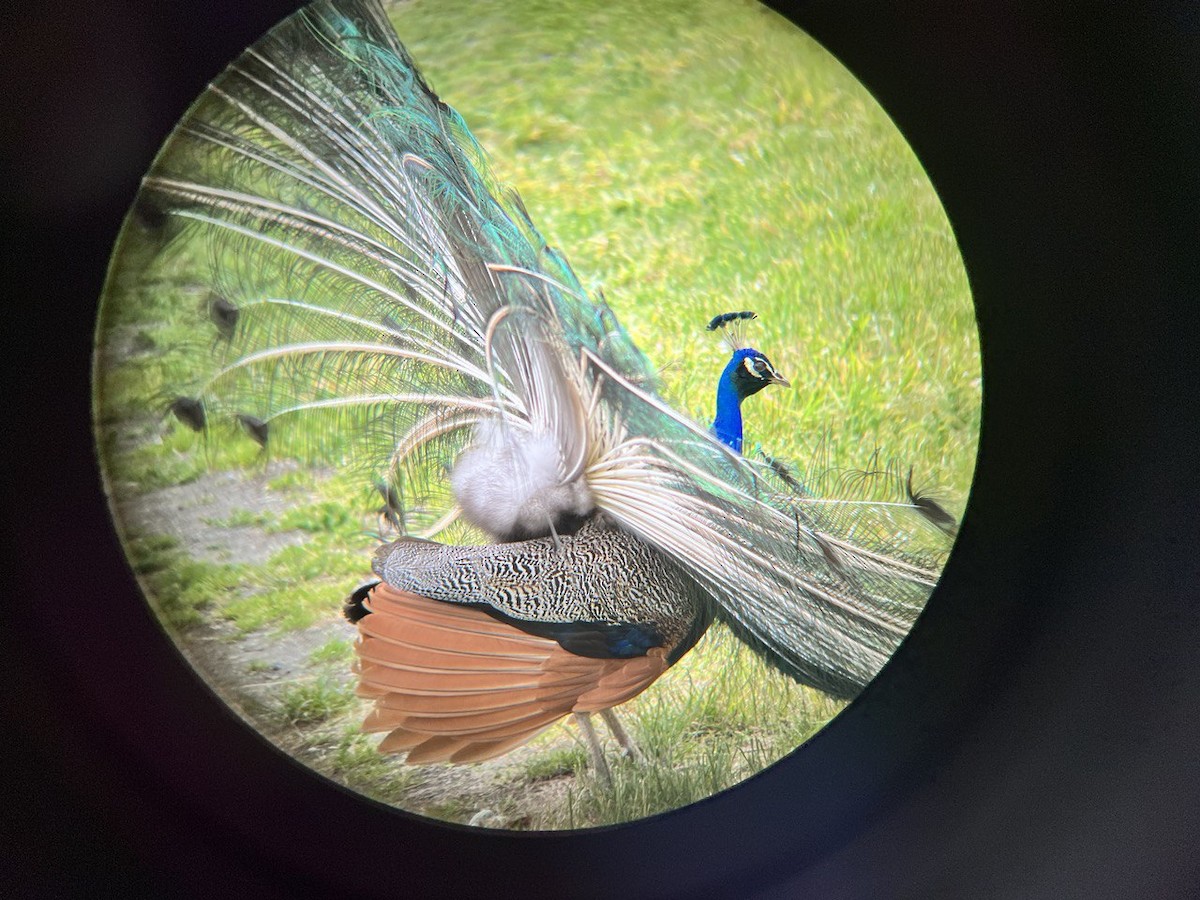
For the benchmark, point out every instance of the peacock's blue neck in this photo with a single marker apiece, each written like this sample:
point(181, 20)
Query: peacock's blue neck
point(727, 426)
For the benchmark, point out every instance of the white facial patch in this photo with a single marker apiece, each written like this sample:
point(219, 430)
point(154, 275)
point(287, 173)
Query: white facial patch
point(752, 366)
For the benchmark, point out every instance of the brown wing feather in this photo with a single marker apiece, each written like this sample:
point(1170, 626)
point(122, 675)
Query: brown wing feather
point(451, 683)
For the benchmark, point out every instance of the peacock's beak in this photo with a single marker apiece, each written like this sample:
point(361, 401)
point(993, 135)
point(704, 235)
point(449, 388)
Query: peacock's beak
point(776, 378)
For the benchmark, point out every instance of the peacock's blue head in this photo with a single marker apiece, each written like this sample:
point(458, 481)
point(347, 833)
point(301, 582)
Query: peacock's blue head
point(749, 371)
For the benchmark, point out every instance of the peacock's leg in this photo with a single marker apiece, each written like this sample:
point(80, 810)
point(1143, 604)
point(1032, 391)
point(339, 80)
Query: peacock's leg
point(599, 763)
point(632, 750)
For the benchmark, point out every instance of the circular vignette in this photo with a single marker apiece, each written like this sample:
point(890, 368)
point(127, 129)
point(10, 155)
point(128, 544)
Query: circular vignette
point(1037, 726)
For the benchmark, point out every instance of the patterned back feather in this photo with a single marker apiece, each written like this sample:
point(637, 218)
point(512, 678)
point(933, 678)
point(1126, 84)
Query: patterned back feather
point(377, 292)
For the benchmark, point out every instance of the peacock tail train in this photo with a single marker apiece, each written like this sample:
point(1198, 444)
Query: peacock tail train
point(376, 294)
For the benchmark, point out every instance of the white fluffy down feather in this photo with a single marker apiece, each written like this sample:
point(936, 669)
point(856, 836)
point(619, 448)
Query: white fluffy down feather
point(508, 483)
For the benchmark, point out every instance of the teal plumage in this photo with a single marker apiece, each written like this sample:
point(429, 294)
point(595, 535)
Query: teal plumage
point(381, 296)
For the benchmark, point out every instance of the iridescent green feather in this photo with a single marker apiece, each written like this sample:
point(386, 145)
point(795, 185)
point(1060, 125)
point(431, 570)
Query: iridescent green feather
point(390, 296)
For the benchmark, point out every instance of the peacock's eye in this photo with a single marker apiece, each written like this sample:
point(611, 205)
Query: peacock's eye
point(756, 366)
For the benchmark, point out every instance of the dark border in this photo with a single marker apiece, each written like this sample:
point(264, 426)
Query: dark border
point(1036, 736)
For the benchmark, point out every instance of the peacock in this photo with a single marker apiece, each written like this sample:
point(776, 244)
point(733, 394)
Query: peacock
point(373, 290)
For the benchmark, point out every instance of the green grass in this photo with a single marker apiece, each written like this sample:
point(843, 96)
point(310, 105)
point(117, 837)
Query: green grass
point(246, 518)
point(334, 652)
point(557, 763)
point(688, 168)
point(180, 588)
point(689, 158)
point(311, 702)
point(705, 726)
point(354, 761)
